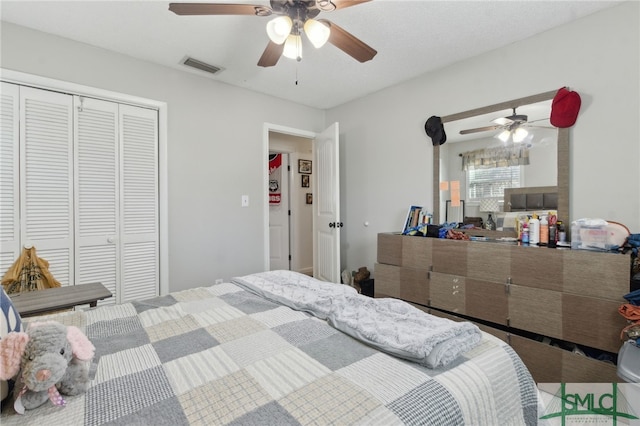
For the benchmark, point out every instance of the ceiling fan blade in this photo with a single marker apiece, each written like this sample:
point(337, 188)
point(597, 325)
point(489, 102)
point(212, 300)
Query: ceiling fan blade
point(540, 127)
point(480, 129)
point(341, 4)
point(539, 119)
point(218, 9)
point(271, 54)
point(349, 44)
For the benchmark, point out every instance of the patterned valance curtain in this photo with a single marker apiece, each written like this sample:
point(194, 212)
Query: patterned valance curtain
point(495, 157)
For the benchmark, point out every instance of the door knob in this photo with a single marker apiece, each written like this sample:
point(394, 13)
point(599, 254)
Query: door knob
point(332, 224)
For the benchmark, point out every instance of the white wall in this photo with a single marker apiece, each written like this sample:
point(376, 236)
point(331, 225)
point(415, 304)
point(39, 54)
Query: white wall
point(387, 156)
point(215, 148)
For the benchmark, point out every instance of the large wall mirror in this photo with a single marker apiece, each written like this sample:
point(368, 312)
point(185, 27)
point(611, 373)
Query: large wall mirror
point(548, 149)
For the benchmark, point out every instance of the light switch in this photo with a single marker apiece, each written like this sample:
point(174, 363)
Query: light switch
point(245, 201)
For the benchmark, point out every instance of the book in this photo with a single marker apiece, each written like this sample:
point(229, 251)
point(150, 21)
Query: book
point(412, 219)
point(424, 218)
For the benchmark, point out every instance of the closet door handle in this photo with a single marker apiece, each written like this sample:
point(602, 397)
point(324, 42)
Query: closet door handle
point(332, 224)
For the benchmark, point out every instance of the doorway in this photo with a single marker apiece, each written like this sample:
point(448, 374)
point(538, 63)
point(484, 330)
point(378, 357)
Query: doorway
point(290, 203)
point(323, 180)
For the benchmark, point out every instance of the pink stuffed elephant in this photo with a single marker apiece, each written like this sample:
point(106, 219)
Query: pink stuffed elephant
point(51, 358)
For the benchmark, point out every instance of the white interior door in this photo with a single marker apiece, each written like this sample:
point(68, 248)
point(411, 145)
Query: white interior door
point(96, 193)
point(9, 176)
point(279, 217)
point(46, 178)
point(326, 244)
point(139, 226)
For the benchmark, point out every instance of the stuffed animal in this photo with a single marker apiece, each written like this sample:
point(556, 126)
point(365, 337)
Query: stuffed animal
point(51, 358)
point(362, 274)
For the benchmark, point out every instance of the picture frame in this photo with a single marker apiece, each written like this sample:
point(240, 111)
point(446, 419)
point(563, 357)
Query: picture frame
point(305, 181)
point(309, 198)
point(304, 166)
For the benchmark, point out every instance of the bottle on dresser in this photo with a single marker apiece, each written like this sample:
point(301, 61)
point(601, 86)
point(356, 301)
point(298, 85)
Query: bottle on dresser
point(534, 230)
point(562, 234)
point(553, 231)
point(544, 231)
point(524, 237)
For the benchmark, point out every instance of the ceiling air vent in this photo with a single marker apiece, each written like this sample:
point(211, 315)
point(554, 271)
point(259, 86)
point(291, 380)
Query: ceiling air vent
point(194, 63)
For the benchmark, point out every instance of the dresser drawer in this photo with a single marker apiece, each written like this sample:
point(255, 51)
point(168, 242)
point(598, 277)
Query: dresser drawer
point(536, 310)
point(416, 252)
point(538, 267)
point(543, 361)
point(488, 261)
point(578, 368)
point(592, 322)
point(500, 334)
point(549, 364)
point(486, 300)
point(390, 249)
point(450, 256)
point(603, 275)
point(387, 280)
point(414, 285)
point(447, 292)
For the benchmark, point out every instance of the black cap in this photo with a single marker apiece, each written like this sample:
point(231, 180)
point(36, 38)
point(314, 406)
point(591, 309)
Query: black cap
point(435, 130)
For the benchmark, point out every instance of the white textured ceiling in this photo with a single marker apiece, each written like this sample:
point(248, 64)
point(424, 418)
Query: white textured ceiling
point(411, 36)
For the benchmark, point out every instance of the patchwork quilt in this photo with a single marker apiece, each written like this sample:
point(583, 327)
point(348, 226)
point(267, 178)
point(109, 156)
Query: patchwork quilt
point(223, 355)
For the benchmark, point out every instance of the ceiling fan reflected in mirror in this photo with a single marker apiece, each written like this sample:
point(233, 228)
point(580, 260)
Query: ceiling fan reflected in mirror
point(513, 126)
point(295, 17)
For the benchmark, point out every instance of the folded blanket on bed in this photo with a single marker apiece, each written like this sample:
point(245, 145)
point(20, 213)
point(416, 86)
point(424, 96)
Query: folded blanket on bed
point(390, 325)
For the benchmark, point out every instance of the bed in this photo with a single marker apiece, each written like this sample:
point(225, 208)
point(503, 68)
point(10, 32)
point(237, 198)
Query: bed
point(283, 348)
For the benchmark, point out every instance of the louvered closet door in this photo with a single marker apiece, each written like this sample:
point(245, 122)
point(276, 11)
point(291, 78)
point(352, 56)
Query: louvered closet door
point(139, 203)
point(97, 193)
point(46, 178)
point(9, 182)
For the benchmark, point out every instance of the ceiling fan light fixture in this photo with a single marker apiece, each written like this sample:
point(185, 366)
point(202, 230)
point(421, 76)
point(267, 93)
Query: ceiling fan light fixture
point(293, 47)
point(317, 32)
point(504, 136)
point(519, 134)
point(278, 29)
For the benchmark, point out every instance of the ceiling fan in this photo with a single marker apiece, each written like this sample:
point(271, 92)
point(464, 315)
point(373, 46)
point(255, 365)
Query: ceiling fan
point(295, 17)
point(512, 125)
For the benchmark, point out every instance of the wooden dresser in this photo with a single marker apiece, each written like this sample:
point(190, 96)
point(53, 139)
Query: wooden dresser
point(523, 295)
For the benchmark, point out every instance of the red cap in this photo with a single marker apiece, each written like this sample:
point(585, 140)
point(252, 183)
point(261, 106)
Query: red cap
point(564, 108)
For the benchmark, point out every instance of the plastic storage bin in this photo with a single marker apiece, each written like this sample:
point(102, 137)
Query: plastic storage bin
point(629, 362)
point(587, 234)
